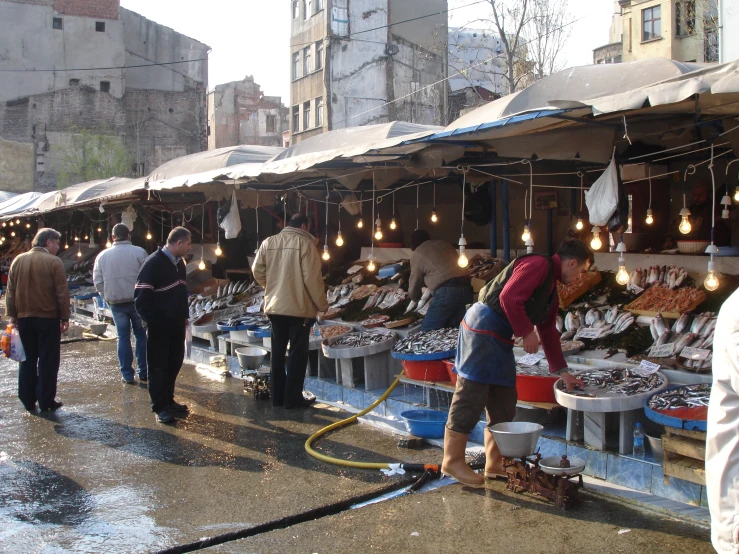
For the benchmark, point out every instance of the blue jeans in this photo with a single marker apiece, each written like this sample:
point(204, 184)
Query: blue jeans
point(125, 318)
point(447, 308)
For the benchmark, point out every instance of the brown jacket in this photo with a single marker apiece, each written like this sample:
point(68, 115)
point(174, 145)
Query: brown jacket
point(433, 263)
point(288, 266)
point(37, 286)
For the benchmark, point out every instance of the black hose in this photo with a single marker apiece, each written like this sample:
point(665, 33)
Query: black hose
point(425, 478)
point(287, 521)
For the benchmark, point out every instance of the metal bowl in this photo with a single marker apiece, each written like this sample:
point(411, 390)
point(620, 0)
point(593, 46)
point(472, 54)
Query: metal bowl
point(250, 357)
point(516, 439)
point(655, 445)
point(550, 465)
point(98, 328)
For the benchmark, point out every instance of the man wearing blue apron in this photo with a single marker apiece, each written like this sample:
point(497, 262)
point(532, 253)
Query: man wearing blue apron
point(522, 297)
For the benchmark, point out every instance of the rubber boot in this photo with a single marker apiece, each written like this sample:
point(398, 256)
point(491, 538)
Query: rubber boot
point(454, 464)
point(494, 468)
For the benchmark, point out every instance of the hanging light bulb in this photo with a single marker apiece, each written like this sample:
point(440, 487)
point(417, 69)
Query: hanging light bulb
point(736, 197)
point(530, 246)
point(579, 224)
point(462, 261)
point(339, 240)
point(622, 277)
point(11, 223)
point(371, 264)
point(711, 283)
point(76, 239)
point(87, 237)
point(66, 247)
point(326, 256)
point(360, 223)
point(79, 253)
point(18, 221)
point(100, 229)
point(725, 202)
point(650, 217)
point(393, 225)
point(596, 243)
point(201, 265)
point(5, 224)
point(378, 231)
point(12, 233)
point(148, 235)
point(28, 225)
point(434, 217)
point(685, 226)
point(108, 244)
point(218, 249)
point(526, 234)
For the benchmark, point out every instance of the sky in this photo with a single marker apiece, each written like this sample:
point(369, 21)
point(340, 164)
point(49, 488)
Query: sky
point(252, 37)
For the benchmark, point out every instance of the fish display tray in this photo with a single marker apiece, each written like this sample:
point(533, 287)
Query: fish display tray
point(259, 333)
point(399, 323)
point(592, 280)
point(693, 419)
point(233, 327)
point(345, 352)
point(666, 315)
point(603, 404)
point(425, 357)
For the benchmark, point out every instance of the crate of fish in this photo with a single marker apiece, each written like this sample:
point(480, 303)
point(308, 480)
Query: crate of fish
point(358, 344)
point(535, 384)
point(438, 344)
point(681, 407)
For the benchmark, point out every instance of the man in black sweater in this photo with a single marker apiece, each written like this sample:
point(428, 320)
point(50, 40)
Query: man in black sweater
point(161, 301)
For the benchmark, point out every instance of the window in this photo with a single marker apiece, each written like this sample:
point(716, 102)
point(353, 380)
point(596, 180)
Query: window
point(56, 23)
point(319, 55)
point(296, 65)
point(319, 5)
point(296, 119)
point(306, 60)
point(651, 23)
point(711, 44)
point(319, 112)
point(296, 9)
point(307, 9)
point(74, 82)
point(100, 26)
point(104, 86)
point(685, 18)
point(271, 124)
point(306, 115)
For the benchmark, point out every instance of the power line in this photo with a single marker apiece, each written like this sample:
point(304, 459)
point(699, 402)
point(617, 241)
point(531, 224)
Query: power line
point(101, 68)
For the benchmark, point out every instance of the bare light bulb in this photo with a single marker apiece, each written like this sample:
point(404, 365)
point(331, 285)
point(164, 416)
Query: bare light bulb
point(326, 256)
point(28, 225)
point(526, 233)
point(434, 217)
point(685, 226)
point(650, 217)
point(100, 230)
point(339, 240)
point(596, 243)
point(148, 236)
point(711, 283)
point(108, 244)
point(79, 254)
point(18, 221)
point(76, 239)
point(736, 197)
point(394, 225)
point(371, 264)
point(12, 233)
point(4, 224)
point(622, 277)
point(66, 247)
point(462, 261)
point(218, 249)
point(580, 224)
point(378, 232)
point(378, 235)
point(360, 223)
point(201, 265)
point(11, 223)
point(87, 237)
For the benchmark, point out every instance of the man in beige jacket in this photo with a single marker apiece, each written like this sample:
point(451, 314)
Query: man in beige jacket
point(287, 265)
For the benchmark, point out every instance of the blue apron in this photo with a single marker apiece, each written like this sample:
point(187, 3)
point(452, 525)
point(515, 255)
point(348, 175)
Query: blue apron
point(485, 348)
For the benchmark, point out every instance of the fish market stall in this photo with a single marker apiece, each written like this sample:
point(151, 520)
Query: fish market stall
point(362, 355)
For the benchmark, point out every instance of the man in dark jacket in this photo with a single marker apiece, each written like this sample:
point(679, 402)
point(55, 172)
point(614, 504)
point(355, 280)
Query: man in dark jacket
point(38, 303)
point(161, 301)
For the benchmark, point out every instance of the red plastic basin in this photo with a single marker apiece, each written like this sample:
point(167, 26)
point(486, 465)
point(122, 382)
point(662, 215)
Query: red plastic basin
point(532, 388)
point(426, 370)
point(450, 370)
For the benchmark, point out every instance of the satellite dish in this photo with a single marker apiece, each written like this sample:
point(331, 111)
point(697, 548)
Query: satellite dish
point(391, 49)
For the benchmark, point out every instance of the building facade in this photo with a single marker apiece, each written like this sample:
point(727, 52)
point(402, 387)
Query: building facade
point(681, 30)
point(354, 63)
point(93, 68)
point(238, 113)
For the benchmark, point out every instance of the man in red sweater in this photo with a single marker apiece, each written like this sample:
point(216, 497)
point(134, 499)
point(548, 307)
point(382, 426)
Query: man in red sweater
point(522, 297)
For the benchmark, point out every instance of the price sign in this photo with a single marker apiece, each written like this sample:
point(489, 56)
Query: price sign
point(353, 269)
point(254, 309)
point(588, 333)
point(648, 367)
point(530, 359)
point(662, 351)
point(634, 288)
point(695, 353)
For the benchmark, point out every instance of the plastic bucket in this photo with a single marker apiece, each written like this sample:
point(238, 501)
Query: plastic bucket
point(449, 364)
point(533, 388)
point(429, 370)
point(427, 424)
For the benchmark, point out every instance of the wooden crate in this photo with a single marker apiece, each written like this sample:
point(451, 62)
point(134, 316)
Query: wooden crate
point(593, 278)
point(685, 455)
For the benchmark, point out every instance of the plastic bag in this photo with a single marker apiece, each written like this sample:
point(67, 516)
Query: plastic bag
point(17, 352)
point(231, 224)
point(619, 221)
point(188, 341)
point(602, 198)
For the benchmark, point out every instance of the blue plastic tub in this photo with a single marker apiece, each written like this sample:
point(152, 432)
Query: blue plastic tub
point(427, 424)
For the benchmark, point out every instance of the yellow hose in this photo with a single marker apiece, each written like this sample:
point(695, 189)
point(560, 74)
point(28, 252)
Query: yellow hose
point(343, 423)
point(94, 336)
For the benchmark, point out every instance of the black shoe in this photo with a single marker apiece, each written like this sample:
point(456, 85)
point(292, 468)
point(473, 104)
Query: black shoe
point(30, 409)
point(53, 407)
point(128, 381)
point(302, 403)
point(143, 378)
point(178, 408)
point(164, 417)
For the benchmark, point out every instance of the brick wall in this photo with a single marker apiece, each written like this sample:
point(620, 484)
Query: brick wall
point(96, 9)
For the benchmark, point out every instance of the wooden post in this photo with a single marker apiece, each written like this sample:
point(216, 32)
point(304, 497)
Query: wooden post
point(494, 219)
point(506, 222)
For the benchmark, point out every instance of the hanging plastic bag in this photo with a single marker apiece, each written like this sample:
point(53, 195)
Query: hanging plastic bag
point(17, 352)
point(231, 224)
point(619, 221)
point(602, 198)
point(188, 341)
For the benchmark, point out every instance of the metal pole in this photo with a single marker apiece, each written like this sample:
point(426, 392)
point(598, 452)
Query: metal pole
point(506, 221)
point(550, 232)
point(493, 219)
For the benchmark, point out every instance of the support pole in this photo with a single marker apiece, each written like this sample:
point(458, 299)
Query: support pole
point(506, 222)
point(550, 232)
point(493, 185)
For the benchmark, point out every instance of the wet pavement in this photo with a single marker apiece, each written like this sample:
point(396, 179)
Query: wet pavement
point(100, 475)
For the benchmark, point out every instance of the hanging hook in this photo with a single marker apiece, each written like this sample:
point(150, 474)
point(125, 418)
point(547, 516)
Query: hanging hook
point(728, 165)
point(690, 170)
point(626, 131)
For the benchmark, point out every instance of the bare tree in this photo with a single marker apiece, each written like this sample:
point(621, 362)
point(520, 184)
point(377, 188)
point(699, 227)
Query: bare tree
point(546, 35)
point(511, 18)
